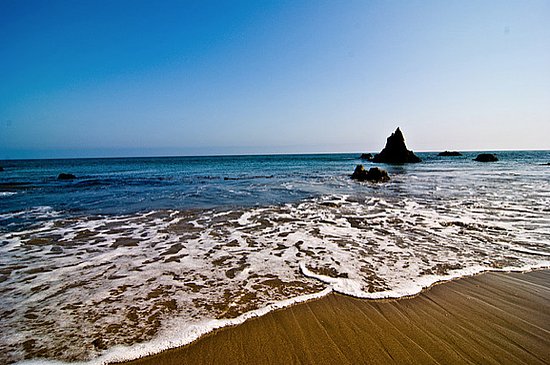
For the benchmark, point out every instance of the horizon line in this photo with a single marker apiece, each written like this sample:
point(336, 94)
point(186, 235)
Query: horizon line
point(255, 154)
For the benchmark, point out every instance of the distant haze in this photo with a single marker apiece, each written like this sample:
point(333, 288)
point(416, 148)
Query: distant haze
point(138, 78)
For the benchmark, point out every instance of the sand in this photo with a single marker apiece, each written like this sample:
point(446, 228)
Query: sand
point(495, 318)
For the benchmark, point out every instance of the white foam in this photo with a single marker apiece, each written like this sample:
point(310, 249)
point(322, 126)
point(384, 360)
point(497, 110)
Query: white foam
point(352, 288)
point(177, 336)
point(245, 218)
point(38, 212)
point(376, 246)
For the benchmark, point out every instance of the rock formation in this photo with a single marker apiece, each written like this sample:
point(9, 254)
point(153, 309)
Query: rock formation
point(366, 156)
point(64, 176)
point(374, 174)
point(396, 151)
point(486, 157)
point(450, 153)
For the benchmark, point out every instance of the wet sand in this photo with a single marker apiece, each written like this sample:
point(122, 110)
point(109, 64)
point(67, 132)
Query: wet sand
point(495, 318)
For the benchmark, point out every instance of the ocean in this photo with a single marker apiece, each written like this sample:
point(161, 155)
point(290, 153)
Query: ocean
point(138, 255)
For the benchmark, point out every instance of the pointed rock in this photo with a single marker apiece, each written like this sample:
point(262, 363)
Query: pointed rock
point(396, 151)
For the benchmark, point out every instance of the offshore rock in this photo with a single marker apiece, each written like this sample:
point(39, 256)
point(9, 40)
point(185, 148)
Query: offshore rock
point(486, 157)
point(396, 151)
point(366, 156)
point(450, 153)
point(374, 174)
point(64, 176)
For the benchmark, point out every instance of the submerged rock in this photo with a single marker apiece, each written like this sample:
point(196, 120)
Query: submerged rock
point(450, 153)
point(396, 151)
point(366, 156)
point(486, 157)
point(64, 176)
point(374, 174)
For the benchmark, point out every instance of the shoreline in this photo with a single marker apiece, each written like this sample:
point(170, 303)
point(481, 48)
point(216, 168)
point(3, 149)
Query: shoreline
point(336, 327)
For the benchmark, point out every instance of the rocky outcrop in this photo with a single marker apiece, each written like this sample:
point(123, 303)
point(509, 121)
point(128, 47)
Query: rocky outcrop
point(450, 153)
point(374, 174)
point(366, 156)
point(64, 176)
point(396, 151)
point(486, 157)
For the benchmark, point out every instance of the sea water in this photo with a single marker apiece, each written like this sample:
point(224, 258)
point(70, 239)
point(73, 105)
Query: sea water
point(137, 255)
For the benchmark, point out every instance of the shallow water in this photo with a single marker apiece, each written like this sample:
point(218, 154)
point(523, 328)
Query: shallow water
point(150, 253)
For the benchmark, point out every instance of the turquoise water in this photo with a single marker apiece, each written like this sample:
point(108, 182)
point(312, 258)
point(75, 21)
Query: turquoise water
point(139, 184)
point(142, 254)
point(130, 185)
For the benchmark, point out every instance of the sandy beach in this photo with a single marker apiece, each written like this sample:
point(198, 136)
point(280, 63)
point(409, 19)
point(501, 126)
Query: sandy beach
point(494, 318)
point(274, 182)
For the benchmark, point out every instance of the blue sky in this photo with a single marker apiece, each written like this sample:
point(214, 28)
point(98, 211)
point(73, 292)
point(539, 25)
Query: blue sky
point(121, 78)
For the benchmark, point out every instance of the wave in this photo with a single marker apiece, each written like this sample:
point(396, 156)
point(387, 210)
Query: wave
point(178, 335)
point(16, 185)
point(38, 212)
point(352, 288)
point(92, 182)
point(249, 177)
point(165, 277)
point(181, 334)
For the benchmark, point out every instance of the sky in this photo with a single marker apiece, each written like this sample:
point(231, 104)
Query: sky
point(148, 78)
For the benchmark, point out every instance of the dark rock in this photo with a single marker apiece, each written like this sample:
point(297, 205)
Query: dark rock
point(377, 175)
point(374, 174)
point(360, 173)
point(366, 156)
point(64, 176)
point(1, 169)
point(486, 157)
point(396, 151)
point(450, 153)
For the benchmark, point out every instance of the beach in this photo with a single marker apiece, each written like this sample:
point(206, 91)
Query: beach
point(274, 182)
point(491, 318)
point(137, 256)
